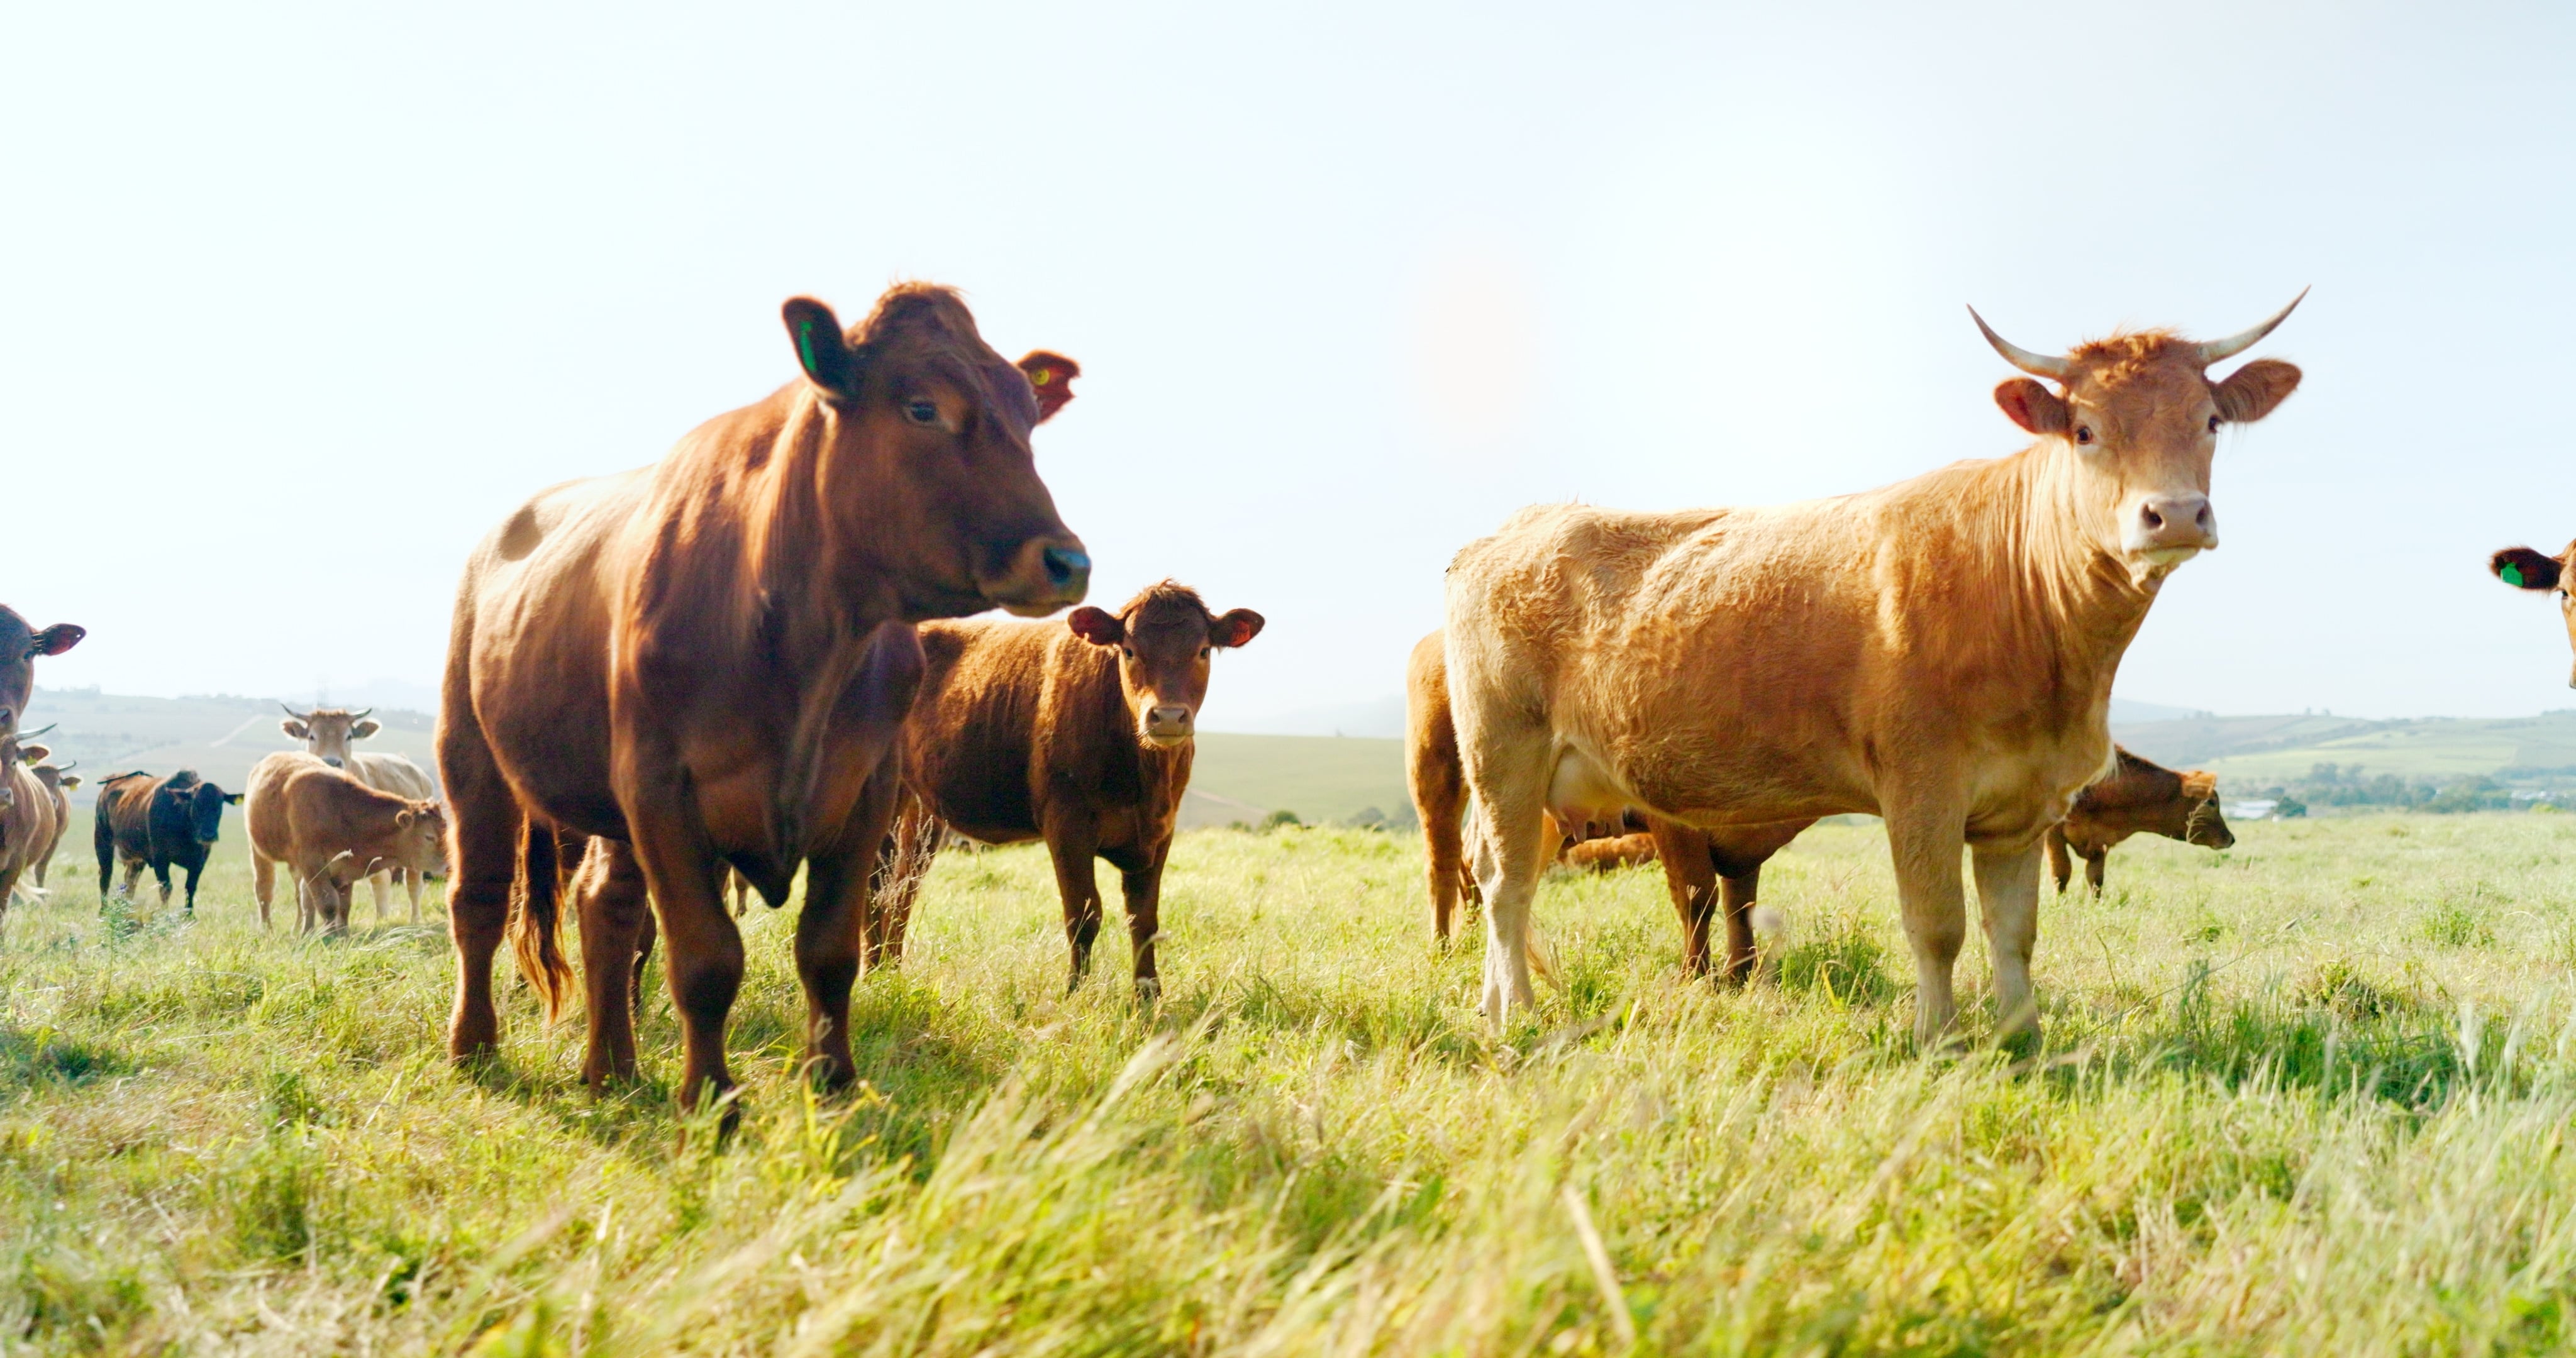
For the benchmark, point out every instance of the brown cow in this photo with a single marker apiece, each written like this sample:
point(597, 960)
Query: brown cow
point(2138, 796)
point(1709, 872)
point(20, 644)
point(328, 734)
point(2523, 568)
point(58, 779)
point(332, 831)
point(1938, 652)
point(28, 821)
point(707, 661)
point(1080, 735)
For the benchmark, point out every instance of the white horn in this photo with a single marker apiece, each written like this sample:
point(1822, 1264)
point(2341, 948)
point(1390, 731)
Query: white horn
point(2038, 365)
point(2236, 344)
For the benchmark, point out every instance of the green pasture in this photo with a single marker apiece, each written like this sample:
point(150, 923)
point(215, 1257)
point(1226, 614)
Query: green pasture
point(2312, 1095)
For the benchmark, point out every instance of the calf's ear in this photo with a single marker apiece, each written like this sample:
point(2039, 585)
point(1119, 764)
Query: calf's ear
point(2524, 568)
point(364, 729)
point(2034, 407)
point(1051, 377)
point(296, 729)
point(2252, 391)
point(821, 350)
point(404, 818)
point(1238, 626)
point(1097, 626)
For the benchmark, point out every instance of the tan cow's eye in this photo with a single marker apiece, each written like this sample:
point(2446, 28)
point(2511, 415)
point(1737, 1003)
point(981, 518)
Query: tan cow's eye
point(2083, 433)
point(2213, 424)
point(921, 412)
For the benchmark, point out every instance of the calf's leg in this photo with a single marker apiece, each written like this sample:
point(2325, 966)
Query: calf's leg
point(1142, 891)
point(1070, 844)
point(263, 884)
point(2008, 900)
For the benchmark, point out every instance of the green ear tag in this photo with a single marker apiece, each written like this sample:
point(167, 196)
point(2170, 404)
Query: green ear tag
point(805, 350)
point(2511, 575)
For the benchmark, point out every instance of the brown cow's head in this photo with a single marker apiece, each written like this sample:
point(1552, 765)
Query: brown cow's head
point(928, 476)
point(327, 731)
point(2524, 568)
point(1165, 637)
point(2135, 419)
point(2203, 823)
point(20, 644)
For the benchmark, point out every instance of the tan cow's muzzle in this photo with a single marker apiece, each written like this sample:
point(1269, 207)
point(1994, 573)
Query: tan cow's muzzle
point(1046, 574)
point(2169, 530)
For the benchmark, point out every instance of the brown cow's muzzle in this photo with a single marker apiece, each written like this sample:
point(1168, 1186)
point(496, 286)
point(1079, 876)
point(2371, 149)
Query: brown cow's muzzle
point(1166, 725)
point(1045, 574)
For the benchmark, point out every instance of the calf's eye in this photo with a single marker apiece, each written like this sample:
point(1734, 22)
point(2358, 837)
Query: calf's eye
point(2213, 424)
point(2083, 433)
point(921, 412)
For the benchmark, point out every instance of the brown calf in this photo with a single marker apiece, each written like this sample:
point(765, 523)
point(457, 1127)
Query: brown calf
point(57, 779)
point(328, 734)
point(1079, 735)
point(331, 832)
point(29, 823)
point(2138, 796)
point(706, 662)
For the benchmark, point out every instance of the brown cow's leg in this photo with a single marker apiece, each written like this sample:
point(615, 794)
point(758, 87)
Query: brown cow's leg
point(2058, 866)
point(914, 844)
point(608, 893)
point(2093, 861)
point(1070, 843)
point(703, 958)
point(644, 935)
point(1924, 839)
point(832, 931)
point(1143, 893)
point(1735, 901)
point(1691, 880)
point(2008, 899)
point(484, 825)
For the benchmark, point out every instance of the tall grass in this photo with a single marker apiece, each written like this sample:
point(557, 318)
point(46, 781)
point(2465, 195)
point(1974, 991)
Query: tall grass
point(2312, 1094)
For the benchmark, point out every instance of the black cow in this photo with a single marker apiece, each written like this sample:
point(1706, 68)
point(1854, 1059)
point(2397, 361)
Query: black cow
point(156, 822)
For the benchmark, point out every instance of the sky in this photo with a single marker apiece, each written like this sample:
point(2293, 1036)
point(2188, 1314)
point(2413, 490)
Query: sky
point(298, 302)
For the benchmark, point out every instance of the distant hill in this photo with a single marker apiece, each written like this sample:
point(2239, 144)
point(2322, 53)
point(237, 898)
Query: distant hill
point(1380, 717)
point(1321, 778)
point(2260, 750)
point(220, 736)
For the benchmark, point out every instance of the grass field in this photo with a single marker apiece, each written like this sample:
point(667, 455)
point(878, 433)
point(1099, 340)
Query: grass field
point(2311, 1095)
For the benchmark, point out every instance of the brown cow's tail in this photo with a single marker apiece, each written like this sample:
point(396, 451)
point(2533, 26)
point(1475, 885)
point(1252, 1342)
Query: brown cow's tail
point(535, 927)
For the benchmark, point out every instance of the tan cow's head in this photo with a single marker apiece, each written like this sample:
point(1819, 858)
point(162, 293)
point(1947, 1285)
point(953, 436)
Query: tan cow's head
point(2135, 421)
point(1165, 638)
point(928, 475)
point(327, 731)
point(2524, 568)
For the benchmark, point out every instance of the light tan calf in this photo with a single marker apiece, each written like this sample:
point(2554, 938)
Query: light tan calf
point(1938, 652)
point(329, 734)
point(329, 830)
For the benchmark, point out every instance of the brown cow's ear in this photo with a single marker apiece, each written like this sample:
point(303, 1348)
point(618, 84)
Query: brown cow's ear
point(821, 349)
point(1097, 626)
point(1238, 626)
point(296, 729)
point(2252, 391)
point(2034, 407)
point(2524, 568)
point(1051, 378)
point(364, 729)
point(60, 637)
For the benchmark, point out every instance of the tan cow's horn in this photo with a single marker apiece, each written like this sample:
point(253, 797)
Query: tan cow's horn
point(365, 710)
point(2233, 345)
point(2038, 365)
point(30, 735)
point(299, 716)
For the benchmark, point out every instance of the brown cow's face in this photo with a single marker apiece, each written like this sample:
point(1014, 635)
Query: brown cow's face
point(930, 472)
point(2203, 823)
point(2524, 568)
point(328, 731)
point(1166, 639)
point(20, 644)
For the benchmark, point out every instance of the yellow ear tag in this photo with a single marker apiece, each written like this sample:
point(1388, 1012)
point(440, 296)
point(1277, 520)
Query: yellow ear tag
point(1045, 375)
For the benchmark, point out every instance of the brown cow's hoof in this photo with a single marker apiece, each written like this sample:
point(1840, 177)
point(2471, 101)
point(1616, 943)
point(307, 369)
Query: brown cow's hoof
point(1149, 990)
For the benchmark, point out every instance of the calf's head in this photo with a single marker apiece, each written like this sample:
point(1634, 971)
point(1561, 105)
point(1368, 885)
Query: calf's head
point(20, 644)
point(2134, 420)
point(1165, 638)
point(2524, 568)
point(328, 731)
point(419, 840)
point(927, 478)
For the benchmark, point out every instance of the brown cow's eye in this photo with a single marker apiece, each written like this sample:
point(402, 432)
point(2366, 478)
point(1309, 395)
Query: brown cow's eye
point(2213, 424)
point(2083, 433)
point(921, 412)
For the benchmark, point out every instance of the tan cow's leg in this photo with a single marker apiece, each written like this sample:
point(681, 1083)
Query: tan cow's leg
point(381, 885)
point(2008, 899)
point(1924, 840)
point(1735, 898)
point(1507, 774)
point(608, 894)
point(414, 882)
point(1691, 880)
point(263, 884)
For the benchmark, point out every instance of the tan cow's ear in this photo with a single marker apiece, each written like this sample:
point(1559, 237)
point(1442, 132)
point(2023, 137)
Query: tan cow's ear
point(821, 349)
point(2034, 407)
point(2252, 391)
point(1051, 377)
point(2524, 568)
point(296, 729)
point(1098, 626)
point(71, 780)
point(1238, 626)
point(35, 754)
point(364, 729)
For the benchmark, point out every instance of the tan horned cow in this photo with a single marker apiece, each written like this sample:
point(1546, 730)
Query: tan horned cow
point(328, 734)
point(1938, 652)
point(706, 662)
